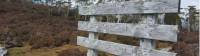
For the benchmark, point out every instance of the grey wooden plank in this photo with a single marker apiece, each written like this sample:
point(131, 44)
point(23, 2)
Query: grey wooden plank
point(131, 7)
point(157, 32)
point(118, 49)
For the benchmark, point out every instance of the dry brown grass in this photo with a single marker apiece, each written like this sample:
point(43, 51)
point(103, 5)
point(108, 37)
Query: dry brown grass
point(58, 51)
point(188, 44)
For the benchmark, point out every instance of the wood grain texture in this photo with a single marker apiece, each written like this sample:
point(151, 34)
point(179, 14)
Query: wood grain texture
point(131, 7)
point(118, 49)
point(157, 32)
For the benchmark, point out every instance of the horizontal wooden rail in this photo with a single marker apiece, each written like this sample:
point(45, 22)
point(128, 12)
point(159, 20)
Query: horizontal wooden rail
point(157, 32)
point(131, 7)
point(119, 49)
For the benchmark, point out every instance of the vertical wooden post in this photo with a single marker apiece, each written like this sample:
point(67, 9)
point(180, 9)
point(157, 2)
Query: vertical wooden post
point(146, 44)
point(92, 36)
point(119, 18)
point(161, 18)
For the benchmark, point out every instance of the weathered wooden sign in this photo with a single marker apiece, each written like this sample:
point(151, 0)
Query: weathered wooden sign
point(157, 32)
point(131, 7)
